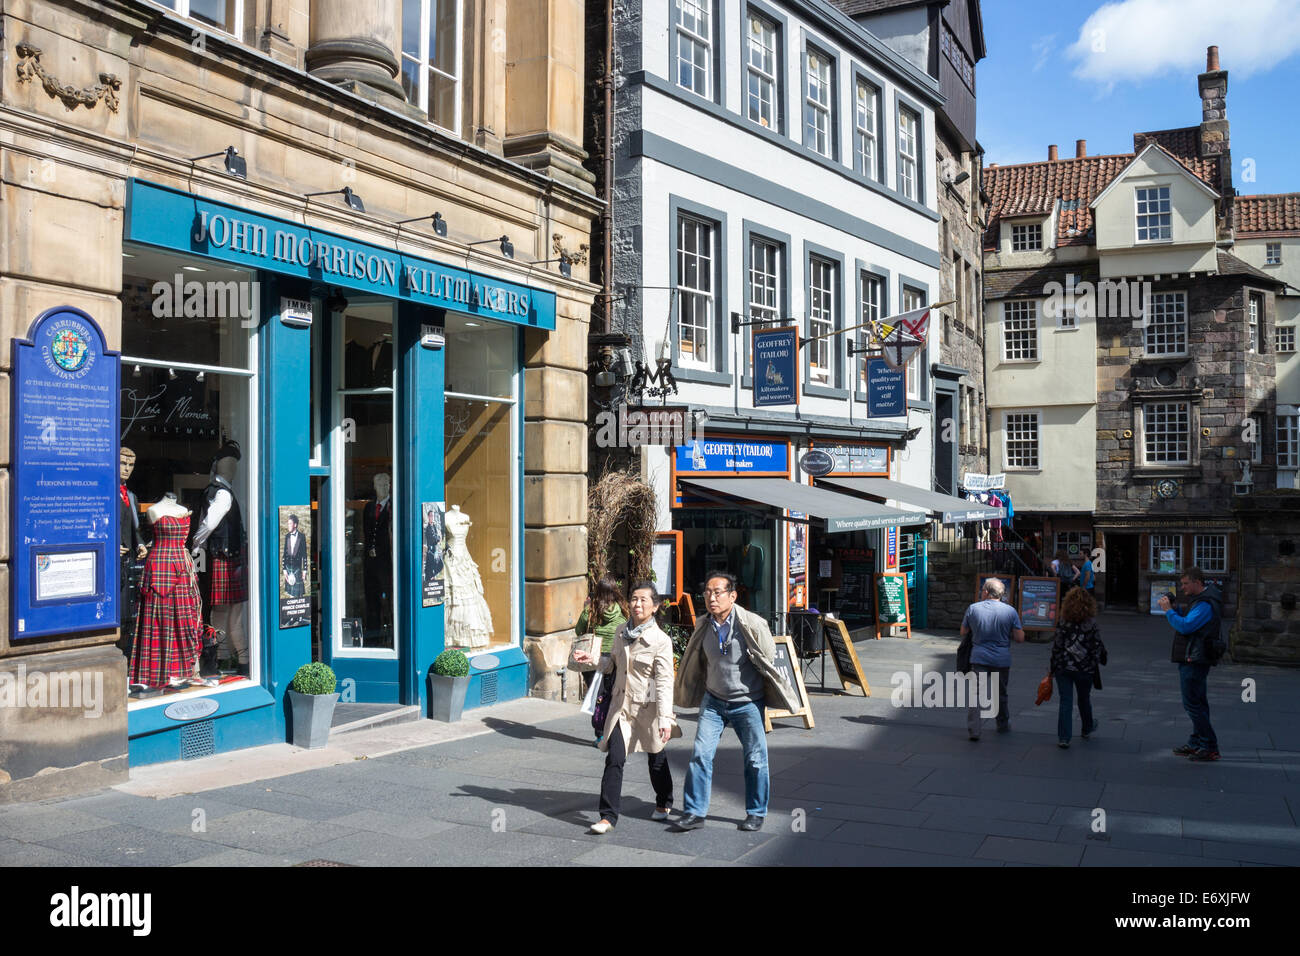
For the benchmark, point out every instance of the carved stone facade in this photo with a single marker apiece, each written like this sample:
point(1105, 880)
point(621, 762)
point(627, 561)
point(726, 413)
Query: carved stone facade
point(311, 95)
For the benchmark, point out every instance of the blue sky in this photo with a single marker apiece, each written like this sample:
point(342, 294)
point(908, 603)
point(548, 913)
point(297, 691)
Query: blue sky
point(1082, 69)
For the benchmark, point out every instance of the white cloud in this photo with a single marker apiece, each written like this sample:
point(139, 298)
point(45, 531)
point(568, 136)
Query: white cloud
point(1138, 39)
point(1043, 48)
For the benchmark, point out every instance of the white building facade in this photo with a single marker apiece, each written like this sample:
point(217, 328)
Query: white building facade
point(777, 161)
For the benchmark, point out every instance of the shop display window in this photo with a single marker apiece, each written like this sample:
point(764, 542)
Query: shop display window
point(188, 452)
point(481, 485)
point(718, 539)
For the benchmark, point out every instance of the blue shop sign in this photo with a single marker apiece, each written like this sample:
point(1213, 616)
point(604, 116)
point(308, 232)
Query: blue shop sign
point(776, 375)
point(171, 219)
point(724, 456)
point(886, 390)
point(65, 471)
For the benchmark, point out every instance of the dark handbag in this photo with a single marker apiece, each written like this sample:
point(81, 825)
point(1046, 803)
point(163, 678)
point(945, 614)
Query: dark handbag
point(601, 712)
point(1096, 680)
point(963, 654)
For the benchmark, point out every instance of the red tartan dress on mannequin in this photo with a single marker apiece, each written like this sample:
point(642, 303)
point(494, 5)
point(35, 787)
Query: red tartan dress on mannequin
point(169, 626)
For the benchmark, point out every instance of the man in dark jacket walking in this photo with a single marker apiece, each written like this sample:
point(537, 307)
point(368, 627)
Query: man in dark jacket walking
point(1197, 646)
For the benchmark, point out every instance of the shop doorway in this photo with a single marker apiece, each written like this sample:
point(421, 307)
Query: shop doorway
point(1122, 572)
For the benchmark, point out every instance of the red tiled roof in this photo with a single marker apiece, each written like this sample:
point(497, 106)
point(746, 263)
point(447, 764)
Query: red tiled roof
point(1268, 215)
point(1033, 188)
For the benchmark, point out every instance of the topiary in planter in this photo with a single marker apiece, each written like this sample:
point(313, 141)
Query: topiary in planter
point(451, 663)
point(314, 679)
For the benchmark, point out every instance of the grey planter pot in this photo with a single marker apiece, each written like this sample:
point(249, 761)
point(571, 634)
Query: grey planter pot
point(447, 697)
point(312, 715)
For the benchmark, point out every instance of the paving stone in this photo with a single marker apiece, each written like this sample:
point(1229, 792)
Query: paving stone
point(987, 826)
point(42, 823)
point(1016, 849)
point(15, 853)
point(1097, 855)
point(1246, 852)
point(908, 838)
point(226, 858)
point(393, 824)
point(993, 809)
point(630, 856)
point(125, 845)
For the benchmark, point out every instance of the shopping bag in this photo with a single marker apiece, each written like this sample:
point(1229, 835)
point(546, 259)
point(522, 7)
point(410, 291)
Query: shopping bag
point(1044, 690)
point(593, 694)
point(587, 643)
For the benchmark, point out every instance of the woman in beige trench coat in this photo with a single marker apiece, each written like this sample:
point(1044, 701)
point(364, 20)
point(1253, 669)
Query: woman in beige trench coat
point(640, 708)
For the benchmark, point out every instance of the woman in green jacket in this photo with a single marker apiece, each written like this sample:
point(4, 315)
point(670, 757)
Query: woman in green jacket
point(609, 610)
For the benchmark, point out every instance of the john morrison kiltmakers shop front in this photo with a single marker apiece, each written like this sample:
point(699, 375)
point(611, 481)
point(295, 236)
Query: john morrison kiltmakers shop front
point(320, 457)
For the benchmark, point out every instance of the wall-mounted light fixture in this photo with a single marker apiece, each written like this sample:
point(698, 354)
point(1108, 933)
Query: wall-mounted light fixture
point(566, 265)
point(437, 222)
point(507, 248)
point(235, 164)
point(352, 200)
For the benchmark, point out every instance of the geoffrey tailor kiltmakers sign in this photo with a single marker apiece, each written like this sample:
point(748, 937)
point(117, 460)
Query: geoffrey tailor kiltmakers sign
point(65, 473)
point(165, 217)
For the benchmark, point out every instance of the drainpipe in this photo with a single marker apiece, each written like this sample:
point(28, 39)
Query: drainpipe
point(607, 214)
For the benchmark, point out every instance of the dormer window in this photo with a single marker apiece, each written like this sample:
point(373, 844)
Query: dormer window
point(1154, 216)
point(1027, 238)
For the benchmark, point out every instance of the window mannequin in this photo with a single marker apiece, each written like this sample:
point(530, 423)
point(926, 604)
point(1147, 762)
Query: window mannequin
point(223, 582)
point(378, 557)
point(169, 624)
point(130, 550)
point(469, 621)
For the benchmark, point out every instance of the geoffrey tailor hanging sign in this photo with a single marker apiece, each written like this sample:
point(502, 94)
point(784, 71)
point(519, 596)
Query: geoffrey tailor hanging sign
point(172, 219)
point(776, 366)
point(65, 478)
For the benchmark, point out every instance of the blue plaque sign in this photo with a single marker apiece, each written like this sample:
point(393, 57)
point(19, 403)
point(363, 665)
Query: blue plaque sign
point(65, 474)
point(776, 367)
point(886, 390)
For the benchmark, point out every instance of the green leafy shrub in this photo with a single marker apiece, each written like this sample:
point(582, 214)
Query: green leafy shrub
point(451, 663)
point(316, 678)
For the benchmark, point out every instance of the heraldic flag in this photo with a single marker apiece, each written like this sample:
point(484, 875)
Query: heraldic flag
point(902, 335)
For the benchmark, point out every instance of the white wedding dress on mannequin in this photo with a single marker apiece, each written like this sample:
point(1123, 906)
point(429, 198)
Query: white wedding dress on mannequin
point(469, 622)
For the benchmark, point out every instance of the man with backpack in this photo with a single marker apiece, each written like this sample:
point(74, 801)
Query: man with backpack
point(1198, 645)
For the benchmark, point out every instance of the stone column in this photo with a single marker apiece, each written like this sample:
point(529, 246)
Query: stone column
point(354, 45)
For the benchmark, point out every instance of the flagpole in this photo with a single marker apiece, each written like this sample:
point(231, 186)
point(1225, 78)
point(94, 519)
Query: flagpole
point(867, 325)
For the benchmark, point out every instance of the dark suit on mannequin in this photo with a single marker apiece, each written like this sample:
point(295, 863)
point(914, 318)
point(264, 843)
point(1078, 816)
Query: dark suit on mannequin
point(378, 527)
point(295, 562)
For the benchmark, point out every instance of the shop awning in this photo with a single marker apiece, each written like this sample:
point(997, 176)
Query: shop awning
point(840, 512)
point(947, 508)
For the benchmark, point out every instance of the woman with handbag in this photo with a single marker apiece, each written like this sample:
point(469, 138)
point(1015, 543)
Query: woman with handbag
point(640, 706)
point(1077, 656)
point(600, 619)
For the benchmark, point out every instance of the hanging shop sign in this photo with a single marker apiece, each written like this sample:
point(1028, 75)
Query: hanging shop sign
point(886, 390)
point(64, 534)
point(171, 219)
point(776, 366)
point(295, 565)
point(858, 459)
point(723, 456)
point(816, 463)
point(973, 482)
point(433, 533)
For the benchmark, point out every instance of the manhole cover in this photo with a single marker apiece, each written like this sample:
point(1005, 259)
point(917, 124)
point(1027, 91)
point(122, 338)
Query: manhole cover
point(322, 863)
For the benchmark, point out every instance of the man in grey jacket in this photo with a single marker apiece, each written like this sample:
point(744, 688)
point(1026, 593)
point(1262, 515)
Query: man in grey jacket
point(727, 671)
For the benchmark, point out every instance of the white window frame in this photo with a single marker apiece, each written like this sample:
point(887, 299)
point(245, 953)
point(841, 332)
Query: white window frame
point(871, 297)
point(821, 320)
point(1154, 214)
point(911, 300)
point(687, 295)
point(1154, 323)
point(1026, 323)
point(765, 41)
point(821, 106)
point(866, 126)
point(1205, 546)
point(1254, 306)
point(1171, 407)
point(766, 305)
point(704, 10)
point(1027, 416)
point(425, 62)
point(182, 9)
point(1027, 237)
point(1161, 542)
point(908, 162)
point(1272, 253)
point(1288, 440)
point(1285, 336)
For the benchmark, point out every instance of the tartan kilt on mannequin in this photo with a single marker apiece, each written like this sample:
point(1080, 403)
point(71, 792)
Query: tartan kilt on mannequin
point(229, 581)
point(169, 625)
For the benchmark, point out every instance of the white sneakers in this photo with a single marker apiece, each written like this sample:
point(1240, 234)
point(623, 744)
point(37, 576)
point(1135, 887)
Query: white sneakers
point(659, 814)
point(601, 828)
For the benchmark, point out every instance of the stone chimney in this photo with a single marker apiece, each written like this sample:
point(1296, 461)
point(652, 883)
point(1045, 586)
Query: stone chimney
point(1080, 148)
point(1213, 86)
point(1051, 153)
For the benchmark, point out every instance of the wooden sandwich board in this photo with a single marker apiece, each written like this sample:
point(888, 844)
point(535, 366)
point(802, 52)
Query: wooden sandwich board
point(845, 655)
point(787, 664)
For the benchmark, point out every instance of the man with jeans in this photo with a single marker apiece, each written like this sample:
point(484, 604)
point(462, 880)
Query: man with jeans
point(1196, 649)
point(992, 625)
point(727, 671)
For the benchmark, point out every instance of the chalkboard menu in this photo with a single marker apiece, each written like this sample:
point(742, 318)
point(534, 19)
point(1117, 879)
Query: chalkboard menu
point(891, 602)
point(844, 655)
point(1039, 598)
point(854, 601)
point(785, 662)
